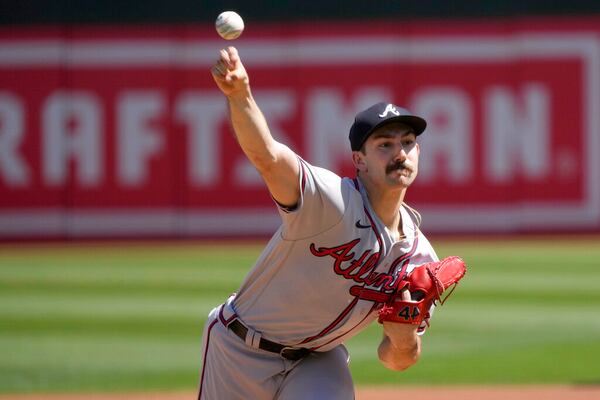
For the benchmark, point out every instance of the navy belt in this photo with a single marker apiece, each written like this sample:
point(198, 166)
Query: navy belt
point(289, 353)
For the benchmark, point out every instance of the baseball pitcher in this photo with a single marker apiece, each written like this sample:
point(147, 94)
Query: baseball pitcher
point(348, 252)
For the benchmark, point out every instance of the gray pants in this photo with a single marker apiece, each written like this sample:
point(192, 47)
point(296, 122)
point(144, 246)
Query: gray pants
point(232, 370)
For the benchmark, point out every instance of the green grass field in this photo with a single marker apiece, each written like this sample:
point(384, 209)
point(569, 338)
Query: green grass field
point(113, 317)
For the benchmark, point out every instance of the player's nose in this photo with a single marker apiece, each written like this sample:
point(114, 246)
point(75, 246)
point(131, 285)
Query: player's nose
point(400, 154)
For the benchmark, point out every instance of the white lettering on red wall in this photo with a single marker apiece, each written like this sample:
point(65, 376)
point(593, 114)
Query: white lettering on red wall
point(110, 134)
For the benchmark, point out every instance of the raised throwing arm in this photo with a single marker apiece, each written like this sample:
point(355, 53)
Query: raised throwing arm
point(276, 163)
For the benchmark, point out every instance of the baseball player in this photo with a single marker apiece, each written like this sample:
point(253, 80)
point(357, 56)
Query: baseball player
point(340, 251)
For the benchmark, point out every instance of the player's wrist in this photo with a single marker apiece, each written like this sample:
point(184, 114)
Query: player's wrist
point(401, 336)
point(241, 96)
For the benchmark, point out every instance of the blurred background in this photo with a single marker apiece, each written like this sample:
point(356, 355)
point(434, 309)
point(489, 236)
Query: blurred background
point(112, 126)
point(124, 196)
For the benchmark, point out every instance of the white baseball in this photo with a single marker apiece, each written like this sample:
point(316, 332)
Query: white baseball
point(229, 25)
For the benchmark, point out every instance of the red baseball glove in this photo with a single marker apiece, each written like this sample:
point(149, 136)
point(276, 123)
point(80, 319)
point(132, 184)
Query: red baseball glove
point(427, 284)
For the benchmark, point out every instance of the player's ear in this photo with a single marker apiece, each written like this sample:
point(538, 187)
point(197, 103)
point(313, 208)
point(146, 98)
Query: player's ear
point(359, 161)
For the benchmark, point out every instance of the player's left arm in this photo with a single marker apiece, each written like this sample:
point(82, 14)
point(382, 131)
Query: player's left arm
point(401, 345)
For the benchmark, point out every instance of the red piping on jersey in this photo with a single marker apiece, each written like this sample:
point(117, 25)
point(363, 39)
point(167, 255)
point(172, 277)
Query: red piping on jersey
point(224, 321)
point(350, 306)
point(212, 324)
point(351, 329)
point(334, 323)
point(402, 259)
point(405, 259)
point(378, 296)
point(373, 226)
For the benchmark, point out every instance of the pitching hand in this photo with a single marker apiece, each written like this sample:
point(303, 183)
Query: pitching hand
point(229, 72)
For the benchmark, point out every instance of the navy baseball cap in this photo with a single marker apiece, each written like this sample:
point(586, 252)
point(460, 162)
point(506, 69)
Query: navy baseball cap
point(378, 115)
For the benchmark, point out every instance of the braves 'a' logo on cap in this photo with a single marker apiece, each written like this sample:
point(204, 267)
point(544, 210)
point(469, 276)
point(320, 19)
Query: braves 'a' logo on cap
point(390, 108)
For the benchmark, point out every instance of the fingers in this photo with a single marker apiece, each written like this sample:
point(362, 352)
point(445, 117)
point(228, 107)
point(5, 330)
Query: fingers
point(220, 68)
point(228, 61)
point(230, 57)
point(234, 57)
point(228, 71)
point(405, 295)
point(225, 59)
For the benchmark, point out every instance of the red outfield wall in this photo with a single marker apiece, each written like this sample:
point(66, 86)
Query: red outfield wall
point(120, 131)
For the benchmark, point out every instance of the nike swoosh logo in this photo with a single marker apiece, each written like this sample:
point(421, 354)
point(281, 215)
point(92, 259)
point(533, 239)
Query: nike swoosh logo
point(361, 226)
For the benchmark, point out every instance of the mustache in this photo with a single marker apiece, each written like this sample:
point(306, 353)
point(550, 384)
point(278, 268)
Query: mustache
point(398, 165)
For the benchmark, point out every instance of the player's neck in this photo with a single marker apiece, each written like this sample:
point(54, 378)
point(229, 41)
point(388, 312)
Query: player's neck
point(386, 203)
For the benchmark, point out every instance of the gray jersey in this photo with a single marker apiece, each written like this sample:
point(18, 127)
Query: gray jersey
point(318, 281)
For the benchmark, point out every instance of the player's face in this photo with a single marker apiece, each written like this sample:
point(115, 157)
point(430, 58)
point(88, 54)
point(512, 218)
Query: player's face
point(390, 157)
